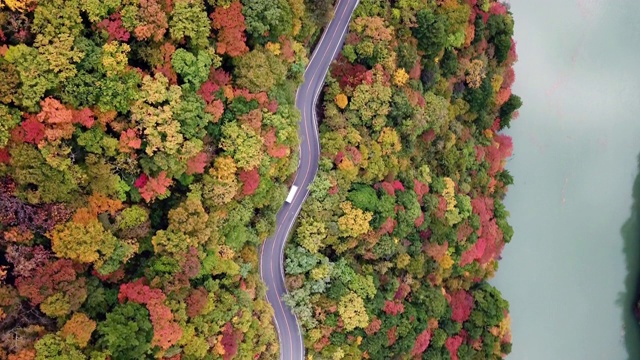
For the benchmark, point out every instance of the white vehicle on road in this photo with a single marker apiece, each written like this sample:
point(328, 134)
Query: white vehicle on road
point(292, 193)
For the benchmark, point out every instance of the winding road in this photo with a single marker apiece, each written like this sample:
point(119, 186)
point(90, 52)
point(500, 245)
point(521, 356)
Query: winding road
point(272, 252)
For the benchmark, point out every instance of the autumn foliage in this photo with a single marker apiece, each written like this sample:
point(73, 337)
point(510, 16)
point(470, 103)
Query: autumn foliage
point(406, 213)
point(230, 25)
point(144, 146)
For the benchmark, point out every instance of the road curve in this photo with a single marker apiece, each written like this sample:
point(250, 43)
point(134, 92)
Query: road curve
point(272, 252)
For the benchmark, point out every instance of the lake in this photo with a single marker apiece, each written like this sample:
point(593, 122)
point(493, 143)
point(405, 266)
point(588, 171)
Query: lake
point(571, 270)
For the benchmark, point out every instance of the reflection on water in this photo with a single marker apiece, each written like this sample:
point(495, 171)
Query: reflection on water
point(571, 271)
point(627, 299)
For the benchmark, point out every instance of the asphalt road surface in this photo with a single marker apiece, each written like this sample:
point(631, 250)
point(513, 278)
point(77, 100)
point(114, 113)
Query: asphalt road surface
point(272, 253)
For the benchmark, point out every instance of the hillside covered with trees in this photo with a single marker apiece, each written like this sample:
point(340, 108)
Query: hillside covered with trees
point(145, 147)
point(405, 221)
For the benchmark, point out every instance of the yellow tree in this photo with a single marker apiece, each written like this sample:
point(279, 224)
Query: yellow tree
point(191, 218)
point(400, 77)
point(453, 213)
point(187, 227)
point(475, 73)
point(171, 241)
point(85, 243)
point(449, 193)
point(79, 329)
point(155, 117)
point(354, 221)
point(389, 141)
point(220, 184)
point(15, 5)
point(311, 234)
point(341, 100)
point(352, 311)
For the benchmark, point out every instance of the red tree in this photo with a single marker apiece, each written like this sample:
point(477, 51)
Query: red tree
point(230, 341)
point(420, 189)
point(393, 308)
point(388, 188)
point(392, 336)
point(348, 74)
point(387, 226)
point(129, 140)
point(139, 293)
point(5, 157)
point(421, 344)
point(512, 56)
point(150, 187)
point(49, 279)
point(55, 113)
point(473, 253)
point(32, 130)
point(207, 91)
point(508, 78)
point(84, 117)
point(402, 292)
point(452, 344)
point(483, 207)
point(374, 327)
point(230, 25)
point(437, 252)
point(113, 26)
point(220, 77)
point(166, 332)
point(196, 301)
point(196, 164)
point(497, 152)
point(153, 20)
point(250, 180)
point(489, 232)
point(498, 9)
point(273, 148)
point(461, 303)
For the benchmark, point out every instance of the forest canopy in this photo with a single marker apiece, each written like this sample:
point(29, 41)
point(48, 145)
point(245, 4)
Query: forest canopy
point(405, 224)
point(147, 145)
point(145, 148)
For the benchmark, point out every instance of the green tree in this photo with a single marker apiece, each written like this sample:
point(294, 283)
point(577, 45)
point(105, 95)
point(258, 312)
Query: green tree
point(500, 30)
point(35, 76)
point(243, 144)
point(507, 109)
point(9, 118)
point(431, 32)
point(189, 20)
point(194, 69)
point(259, 70)
point(363, 197)
point(371, 103)
point(299, 260)
point(39, 181)
point(127, 332)
point(267, 20)
point(192, 115)
point(53, 347)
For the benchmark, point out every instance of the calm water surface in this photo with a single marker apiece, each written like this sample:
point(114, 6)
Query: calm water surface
point(570, 271)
